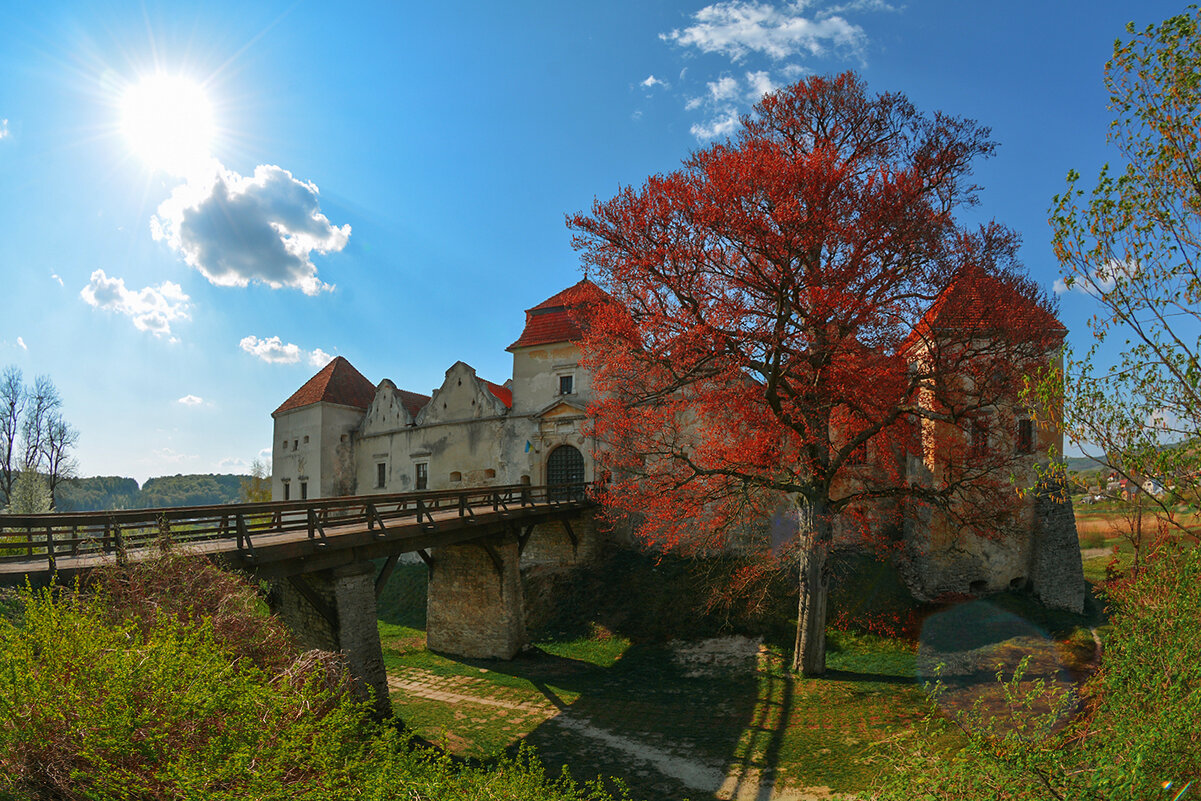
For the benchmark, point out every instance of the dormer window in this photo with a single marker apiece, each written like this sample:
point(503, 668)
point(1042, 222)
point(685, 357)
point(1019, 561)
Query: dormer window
point(566, 384)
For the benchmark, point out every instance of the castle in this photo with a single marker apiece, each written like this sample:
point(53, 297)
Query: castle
point(340, 434)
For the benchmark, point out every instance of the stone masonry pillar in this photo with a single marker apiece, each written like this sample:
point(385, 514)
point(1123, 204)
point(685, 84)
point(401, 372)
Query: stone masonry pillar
point(475, 605)
point(334, 610)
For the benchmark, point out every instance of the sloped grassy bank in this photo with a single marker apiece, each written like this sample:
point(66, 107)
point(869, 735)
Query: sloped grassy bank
point(169, 680)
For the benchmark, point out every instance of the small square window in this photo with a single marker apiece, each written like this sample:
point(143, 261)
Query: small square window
point(566, 384)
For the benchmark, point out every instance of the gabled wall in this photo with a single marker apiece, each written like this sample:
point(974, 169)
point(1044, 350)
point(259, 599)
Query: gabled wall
point(462, 396)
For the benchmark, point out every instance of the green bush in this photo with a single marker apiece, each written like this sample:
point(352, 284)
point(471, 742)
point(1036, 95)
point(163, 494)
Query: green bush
point(1137, 724)
point(167, 679)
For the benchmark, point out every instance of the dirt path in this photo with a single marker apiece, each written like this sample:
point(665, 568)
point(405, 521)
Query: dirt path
point(739, 782)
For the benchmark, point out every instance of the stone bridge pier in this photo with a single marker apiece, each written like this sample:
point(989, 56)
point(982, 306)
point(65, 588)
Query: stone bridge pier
point(334, 610)
point(475, 605)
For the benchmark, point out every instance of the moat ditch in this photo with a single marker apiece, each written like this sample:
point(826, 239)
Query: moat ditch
point(715, 715)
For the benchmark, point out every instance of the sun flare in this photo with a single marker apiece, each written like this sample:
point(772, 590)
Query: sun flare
point(168, 122)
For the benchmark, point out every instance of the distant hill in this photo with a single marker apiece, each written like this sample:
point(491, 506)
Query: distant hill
point(102, 493)
point(1082, 464)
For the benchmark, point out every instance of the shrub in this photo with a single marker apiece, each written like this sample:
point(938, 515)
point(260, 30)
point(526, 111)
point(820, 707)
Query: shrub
point(167, 679)
point(1138, 725)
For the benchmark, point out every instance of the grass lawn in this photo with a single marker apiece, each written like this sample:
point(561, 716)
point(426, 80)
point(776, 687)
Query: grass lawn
point(700, 720)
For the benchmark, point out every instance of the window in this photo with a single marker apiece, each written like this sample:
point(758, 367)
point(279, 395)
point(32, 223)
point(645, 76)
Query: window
point(979, 439)
point(423, 475)
point(287, 490)
point(1025, 443)
point(306, 439)
point(566, 384)
point(489, 473)
point(456, 476)
point(381, 475)
point(304, 490)
point(295, 444)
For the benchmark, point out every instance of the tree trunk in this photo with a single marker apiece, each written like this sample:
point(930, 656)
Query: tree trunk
point(809, 654)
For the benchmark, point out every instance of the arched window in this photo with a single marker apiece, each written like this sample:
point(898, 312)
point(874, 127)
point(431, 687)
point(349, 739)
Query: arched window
point(565, 473)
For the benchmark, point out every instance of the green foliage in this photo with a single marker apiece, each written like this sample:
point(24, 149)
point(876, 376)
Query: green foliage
point(1136, 729)
point(256, 487)
point(1131, 243)
point(97, 493)
point(190, 490)
point(30, 495)
point(93, 709)
point(167, 680)
point(113, 492)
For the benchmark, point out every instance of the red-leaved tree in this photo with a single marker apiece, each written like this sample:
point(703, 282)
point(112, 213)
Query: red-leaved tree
point(773, 343)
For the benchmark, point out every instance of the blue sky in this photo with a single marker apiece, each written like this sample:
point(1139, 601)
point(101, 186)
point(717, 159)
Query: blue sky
point(388, 182)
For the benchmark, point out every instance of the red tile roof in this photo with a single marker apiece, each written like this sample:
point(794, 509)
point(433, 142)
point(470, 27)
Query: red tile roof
point(504, 393)
point(975, 300)
point(557, 319)
point(412, 401)
point(337, 382)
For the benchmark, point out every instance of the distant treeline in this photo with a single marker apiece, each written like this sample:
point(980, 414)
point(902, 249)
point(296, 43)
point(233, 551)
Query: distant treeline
point(114, 492)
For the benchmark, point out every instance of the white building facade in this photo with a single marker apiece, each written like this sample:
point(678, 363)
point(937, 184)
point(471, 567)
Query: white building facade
point(340, 434)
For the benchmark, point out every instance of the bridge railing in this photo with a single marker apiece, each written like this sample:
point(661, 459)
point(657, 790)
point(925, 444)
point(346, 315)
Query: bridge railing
point(25, 538)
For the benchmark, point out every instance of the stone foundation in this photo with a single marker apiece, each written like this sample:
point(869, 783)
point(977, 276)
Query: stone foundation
point(1056, 572)
point(343, 619)
point(473, 610)
point(550, 544)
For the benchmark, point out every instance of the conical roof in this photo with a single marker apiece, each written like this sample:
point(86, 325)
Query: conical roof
point(337, 382)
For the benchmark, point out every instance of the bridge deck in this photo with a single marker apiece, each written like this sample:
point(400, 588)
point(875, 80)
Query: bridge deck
point(278, 538)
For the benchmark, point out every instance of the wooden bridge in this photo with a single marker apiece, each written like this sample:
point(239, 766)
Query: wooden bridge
point(321, 556)
point(282, 538)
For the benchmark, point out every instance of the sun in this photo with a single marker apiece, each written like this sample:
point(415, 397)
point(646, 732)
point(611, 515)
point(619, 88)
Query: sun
point(168, 122)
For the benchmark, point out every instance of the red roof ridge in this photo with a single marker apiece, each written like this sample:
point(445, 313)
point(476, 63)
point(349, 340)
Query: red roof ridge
point(500, 391)
point(552, 320)
point(976, 300)
point(337, 382)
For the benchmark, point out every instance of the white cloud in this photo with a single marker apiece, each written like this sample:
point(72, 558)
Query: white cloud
point(232, 464)
point(191, 400)
point(21, 343)
point(272, 350)
point(56, 278)
point(721, 91)
point(651, 82)
point(740, 27)
point(319, 358)
point(151, 308)
point(3, 128)
point(265, 455)
point(1100, 281)
point(171, 456)
point(263, 228)
point(760, 84)
point(720, 126)
point(857, 5)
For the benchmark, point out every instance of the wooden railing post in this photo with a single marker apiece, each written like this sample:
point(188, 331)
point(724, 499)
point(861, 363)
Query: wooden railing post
point(49, 547)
